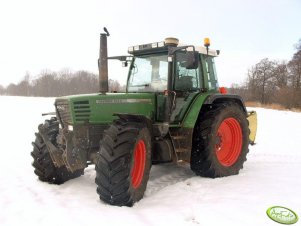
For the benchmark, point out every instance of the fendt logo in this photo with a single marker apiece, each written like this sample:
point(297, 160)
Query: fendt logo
point(282, 215)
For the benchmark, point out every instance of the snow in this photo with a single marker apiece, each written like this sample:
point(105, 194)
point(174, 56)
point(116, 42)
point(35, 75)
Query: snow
point(174, 195)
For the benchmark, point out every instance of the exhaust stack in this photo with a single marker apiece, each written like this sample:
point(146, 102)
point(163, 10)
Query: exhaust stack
point(103, 62)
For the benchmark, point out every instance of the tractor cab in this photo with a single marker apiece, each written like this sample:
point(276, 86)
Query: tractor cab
point(161, 66)
point(176, 73)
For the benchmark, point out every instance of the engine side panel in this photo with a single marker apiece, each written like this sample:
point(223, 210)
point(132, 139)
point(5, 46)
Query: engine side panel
point(99, 109)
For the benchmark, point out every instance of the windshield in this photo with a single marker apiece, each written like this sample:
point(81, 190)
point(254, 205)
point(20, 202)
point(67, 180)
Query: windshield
point(148, 73)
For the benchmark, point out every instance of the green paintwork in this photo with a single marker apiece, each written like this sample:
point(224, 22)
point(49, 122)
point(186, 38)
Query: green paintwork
point(194, 109)
point(99, 108)
point(161, 98)
point(102, 107)
point(186, 103)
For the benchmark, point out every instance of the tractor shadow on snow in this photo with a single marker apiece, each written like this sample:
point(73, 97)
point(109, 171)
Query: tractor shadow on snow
point(161, 176)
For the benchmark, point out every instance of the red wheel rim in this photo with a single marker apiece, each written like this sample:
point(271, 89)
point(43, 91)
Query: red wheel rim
point(228, 142)
point(139, 163)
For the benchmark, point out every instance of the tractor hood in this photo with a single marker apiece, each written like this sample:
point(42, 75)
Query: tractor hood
point(99, 108)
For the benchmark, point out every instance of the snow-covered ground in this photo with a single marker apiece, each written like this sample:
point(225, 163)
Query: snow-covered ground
point(174, 195)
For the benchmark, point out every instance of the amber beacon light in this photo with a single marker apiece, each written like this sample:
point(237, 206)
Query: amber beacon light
point(206, 42)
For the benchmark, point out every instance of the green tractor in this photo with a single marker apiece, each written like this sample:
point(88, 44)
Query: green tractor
point(172, 111)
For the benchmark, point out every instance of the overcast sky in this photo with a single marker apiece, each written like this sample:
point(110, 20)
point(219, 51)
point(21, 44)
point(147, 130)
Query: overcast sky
point(64, 34)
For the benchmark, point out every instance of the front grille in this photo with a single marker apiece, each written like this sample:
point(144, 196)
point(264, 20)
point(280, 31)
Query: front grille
point(82, 111)
point(96, 134)
point(89, 136)
point(63, 112)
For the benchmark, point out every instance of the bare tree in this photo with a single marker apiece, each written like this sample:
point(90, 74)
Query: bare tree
point(45, 85)
point(114, 86)
point(2, 90)
point(253, 85)
point(12, 89)
point(295, 75)
point(24, 88)
point(281, 74)
point(260, 80)
point(274, 82)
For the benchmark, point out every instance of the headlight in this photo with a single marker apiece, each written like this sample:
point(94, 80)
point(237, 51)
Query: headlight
point(70, 127)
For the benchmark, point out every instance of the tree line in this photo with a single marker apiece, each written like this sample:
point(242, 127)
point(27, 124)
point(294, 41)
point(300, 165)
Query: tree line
point(273, 82)
point(53, 84)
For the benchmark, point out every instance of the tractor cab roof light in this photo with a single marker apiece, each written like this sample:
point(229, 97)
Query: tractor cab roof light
point(131, 49)
point(158, 44)
point(155, 45)
point(206, 42)
point(161, 44)
point(146, 47)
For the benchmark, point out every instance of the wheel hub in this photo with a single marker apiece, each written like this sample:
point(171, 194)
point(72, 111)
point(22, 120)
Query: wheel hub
point(228, 142)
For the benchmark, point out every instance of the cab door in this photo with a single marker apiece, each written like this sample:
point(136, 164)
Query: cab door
point(187, 84)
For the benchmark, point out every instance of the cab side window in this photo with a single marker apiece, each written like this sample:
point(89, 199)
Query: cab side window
point(211, 73)
point(185, 79)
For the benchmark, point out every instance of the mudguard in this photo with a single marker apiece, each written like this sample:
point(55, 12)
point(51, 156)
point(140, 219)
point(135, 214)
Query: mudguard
point(208, 99)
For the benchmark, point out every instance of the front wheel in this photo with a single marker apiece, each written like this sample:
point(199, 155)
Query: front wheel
point(124, 163)
point(43, 165)
point(220, 142)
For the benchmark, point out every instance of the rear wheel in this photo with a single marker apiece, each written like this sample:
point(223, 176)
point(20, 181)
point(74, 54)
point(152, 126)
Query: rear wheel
point(124, 163)
point(220, 142)
point(44, 167)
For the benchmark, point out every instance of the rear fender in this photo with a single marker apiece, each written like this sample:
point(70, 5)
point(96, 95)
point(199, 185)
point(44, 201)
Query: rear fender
point(204, 102)
point(225, 98)
point(201, 104)
point(251, 116)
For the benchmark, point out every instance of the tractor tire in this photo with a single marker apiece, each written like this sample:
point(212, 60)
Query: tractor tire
point(220, 142)
point(124, 163)
point(44, 167)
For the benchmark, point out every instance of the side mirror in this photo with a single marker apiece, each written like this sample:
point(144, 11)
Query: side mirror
point(192, 60)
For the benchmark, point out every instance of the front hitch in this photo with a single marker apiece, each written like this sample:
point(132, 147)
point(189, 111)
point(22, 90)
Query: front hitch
point(252, 118)
point(73, 156)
